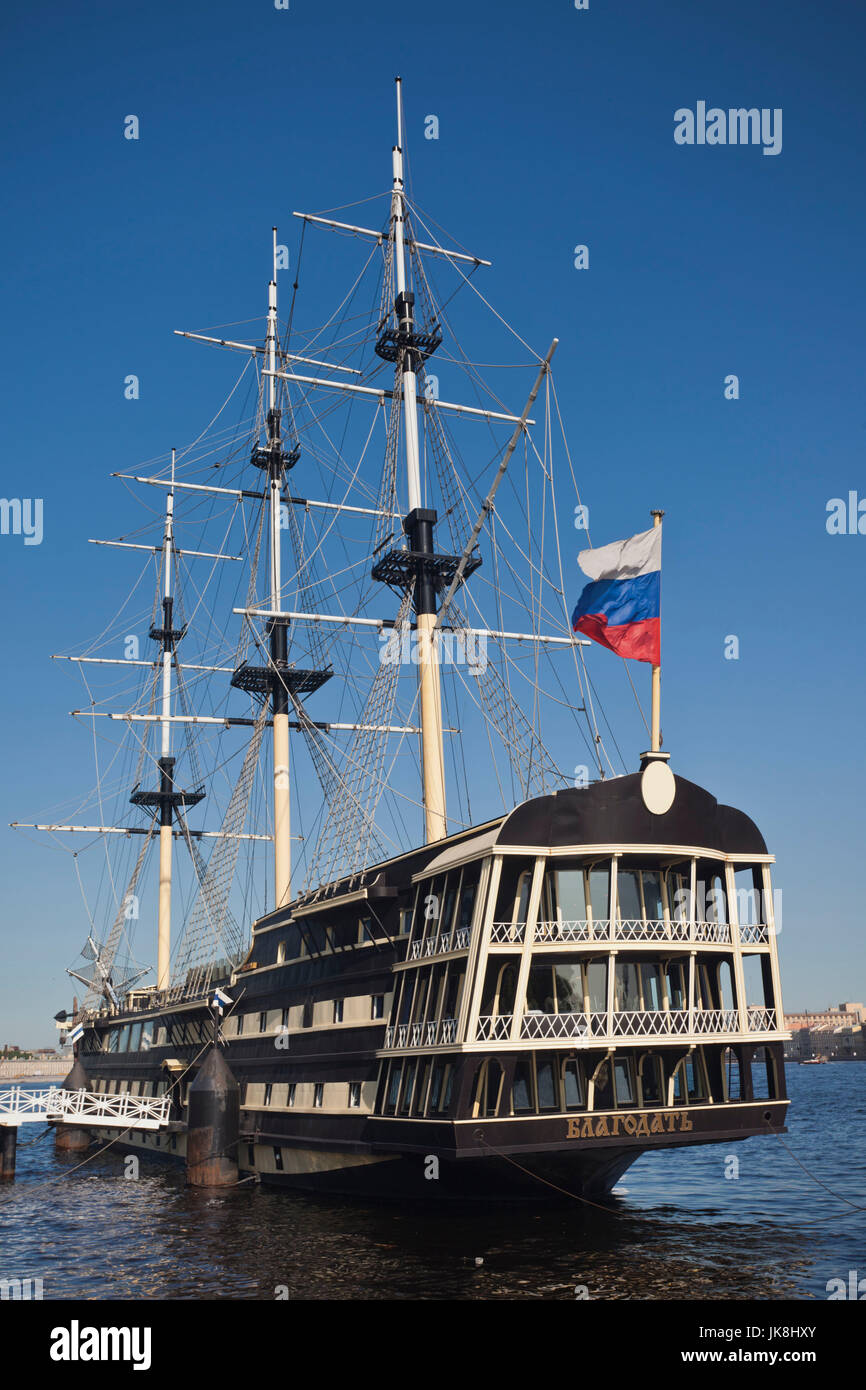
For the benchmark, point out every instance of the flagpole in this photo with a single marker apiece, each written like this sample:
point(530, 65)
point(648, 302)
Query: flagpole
point(655, 735)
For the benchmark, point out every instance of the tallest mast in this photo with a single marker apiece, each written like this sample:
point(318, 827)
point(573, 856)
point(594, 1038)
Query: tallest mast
point(420, 521)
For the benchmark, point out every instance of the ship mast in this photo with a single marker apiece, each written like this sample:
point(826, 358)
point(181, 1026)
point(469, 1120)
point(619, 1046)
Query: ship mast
point(278, 625)
point(166, 762)
point(419, 523)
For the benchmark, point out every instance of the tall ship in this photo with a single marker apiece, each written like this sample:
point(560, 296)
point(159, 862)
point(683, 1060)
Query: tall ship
point(360, 829)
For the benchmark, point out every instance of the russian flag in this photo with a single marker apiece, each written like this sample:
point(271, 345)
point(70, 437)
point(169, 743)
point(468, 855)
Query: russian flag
point(621, 607)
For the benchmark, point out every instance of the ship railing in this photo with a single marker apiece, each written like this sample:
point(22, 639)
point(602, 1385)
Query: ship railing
point(754, 933)
point(577, 1025)
point(437, 945)
point(624, 929)
point(91, 1108)
point(433, 1034)
point(716, 1021)
point(507, 933)
point(761, 1020)
point(494, 1027)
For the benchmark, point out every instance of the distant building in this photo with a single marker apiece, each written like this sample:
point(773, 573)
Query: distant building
point(839, 1033)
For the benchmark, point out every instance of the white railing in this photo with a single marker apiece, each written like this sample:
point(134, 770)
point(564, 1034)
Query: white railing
point(436, 945)
point(623, 930)
point(507, 933)
point(716, 1021)
point(89, 1107)
point(761, 1020)
point(421, 1034)
point(754, 933)
point(494, 1027)
point(538, 1025)
point(650, 1023)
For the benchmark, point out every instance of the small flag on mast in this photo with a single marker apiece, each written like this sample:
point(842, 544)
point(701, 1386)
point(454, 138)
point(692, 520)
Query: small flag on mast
point(621, 607)
point(220, 1000)
point(76, 1035)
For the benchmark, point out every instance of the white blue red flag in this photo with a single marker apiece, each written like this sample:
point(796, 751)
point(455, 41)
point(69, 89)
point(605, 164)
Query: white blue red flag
point(621, 607)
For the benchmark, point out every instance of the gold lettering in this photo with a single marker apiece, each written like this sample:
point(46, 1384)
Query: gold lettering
point(642, 1127)
point(586, 1132)
point(614, 1124)
point(573, 1128)
point(670, 1121)
point(629, 1124)
point(656, 1125)
point(601, 1129)
point(685, 1121)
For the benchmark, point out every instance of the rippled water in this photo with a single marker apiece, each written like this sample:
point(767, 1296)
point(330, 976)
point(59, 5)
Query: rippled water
point(678, 1227)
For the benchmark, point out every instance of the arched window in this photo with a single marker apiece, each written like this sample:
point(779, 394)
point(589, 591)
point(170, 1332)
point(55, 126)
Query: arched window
point(651, 1079)
point(488, 1089)
point(733, 1075)
point(763, 1075)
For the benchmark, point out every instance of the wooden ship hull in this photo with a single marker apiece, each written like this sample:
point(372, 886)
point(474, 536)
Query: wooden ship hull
point(394, 1034)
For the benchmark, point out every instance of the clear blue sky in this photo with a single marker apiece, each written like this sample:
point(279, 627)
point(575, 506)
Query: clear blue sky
point(556, 128)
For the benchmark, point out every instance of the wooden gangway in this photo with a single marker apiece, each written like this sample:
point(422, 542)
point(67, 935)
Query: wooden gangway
point(88, 1109)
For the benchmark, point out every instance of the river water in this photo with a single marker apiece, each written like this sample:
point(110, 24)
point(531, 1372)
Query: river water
point(682, 1225)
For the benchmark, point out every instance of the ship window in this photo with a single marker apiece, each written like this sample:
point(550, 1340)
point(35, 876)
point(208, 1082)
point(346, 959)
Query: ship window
point(521, 1087)
point(565, 895)
point(435, 1087)
point(599, 893)
point(603, 1088)
point(123, 1045)
point(308, 1014)
point(763, 1077)
point(450, 898)
point(514, 889)
point(281, 953)
point(568, 983)
point(263, 1022)
point(241, 1020)
point(717, 900)
point(405, 920)
point(725, 985)
point(451, 1003)
point(547, 1097)
point(251, 1155)
point(448, 1088)
point(408, 1087)
point(488, 1088)
point(757, 979)
point(338, 1010)
point(653, 903)
point(628, 892)
point(278, 1159)
point(392, 1088)
point(623, 1070)
point(318, 1095)
point(679, 895)
point(596, 985)
point(354, 1095)
point(695, 1079)
point(284, 1018)
point(540, 990)
point(572, 1087)
point(269, 1090)
point(377, 1006)
point(676, 989)
point(733, 1075)
point(651, 986)
point(703, 988)
point(290, 1094)
point(651, 1079)
point(245, 1086)
point(748, 888)
point(468, 890)
point(626, 986)
point(499, 987)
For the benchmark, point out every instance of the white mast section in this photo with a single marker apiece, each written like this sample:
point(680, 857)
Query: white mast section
point(429, 685)
point(163, 953)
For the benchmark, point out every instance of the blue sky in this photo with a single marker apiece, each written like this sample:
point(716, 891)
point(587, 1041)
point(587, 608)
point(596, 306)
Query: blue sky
point(556, 128)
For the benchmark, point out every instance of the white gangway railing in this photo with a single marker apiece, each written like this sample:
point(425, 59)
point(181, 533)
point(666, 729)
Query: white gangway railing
point(90, 1108)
